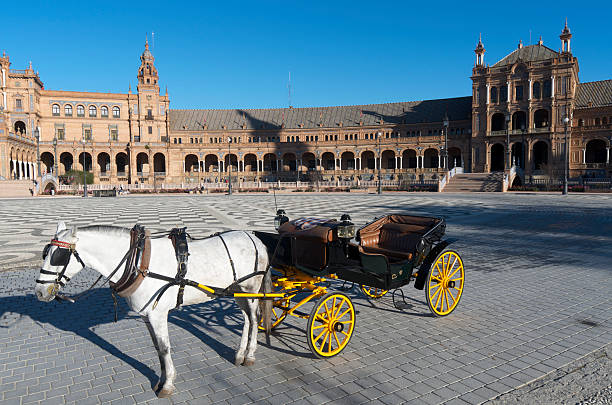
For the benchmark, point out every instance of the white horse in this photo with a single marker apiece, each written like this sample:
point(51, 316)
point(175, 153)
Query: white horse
point(102, 248)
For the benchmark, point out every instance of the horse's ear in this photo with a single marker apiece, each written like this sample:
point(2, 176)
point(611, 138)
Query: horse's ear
point(60, 227)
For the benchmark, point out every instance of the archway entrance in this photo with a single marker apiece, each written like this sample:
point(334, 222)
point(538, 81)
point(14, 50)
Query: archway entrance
point(497, 157)
point(595, 151)
point(540, 155)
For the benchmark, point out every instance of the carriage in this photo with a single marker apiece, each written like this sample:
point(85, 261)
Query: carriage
point(303, 256)
point(385, 254)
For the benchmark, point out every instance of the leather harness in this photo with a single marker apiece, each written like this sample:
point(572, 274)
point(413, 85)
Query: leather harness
point(136, 268)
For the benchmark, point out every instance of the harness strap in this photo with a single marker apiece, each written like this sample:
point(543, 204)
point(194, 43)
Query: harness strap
point(228, 255)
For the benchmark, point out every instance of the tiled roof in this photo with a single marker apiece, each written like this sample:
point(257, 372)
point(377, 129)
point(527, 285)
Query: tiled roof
point(411, 112)
point(530, 53)
point(599, 94)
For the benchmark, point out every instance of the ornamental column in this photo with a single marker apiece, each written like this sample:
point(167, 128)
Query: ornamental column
point(552, 90)
point(530, 89)
point(608, 155)
point(488, 93)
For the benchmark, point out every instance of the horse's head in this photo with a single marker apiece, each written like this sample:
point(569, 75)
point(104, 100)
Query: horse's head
point(57, 268)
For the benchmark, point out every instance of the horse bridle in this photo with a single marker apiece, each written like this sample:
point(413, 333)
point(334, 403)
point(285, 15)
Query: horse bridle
point(64, 261)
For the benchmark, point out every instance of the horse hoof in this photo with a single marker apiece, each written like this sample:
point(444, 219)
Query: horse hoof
point(166, 392)
point(249, 362)
point(239, 361)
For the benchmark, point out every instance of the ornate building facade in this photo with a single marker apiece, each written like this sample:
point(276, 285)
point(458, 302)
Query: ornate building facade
point(515, 116)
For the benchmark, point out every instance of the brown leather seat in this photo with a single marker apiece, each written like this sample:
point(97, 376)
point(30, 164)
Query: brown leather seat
point(396, 236)
point(309, 247)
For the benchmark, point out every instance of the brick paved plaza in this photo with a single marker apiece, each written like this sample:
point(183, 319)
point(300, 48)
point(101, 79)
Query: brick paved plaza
point(537, 297)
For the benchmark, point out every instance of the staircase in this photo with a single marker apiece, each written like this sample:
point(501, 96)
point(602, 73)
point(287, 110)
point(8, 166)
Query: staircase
point(15, 188)
point(475, 182)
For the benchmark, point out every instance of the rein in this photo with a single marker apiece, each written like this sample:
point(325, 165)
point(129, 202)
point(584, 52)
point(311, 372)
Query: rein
point(135, 272)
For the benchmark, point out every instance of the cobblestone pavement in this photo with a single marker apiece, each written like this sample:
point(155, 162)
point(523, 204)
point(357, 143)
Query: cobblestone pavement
point(537, 298)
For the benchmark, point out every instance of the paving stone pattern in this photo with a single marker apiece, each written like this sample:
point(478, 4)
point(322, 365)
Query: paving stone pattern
point(537, 297)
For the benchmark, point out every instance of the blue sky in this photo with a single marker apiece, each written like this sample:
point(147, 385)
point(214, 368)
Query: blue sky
point(239, 55)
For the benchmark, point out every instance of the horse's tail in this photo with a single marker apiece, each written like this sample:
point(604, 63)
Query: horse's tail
point(266, 304)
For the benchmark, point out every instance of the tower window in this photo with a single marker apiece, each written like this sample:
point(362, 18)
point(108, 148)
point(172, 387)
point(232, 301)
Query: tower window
point(148, 81)
point(518, 93)
point(493, 94)
point(150, 130)
point(18, 104)
point(536, 90)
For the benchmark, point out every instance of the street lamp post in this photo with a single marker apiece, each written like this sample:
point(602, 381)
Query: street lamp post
point(522, 164)
point(55, 156)
point(229, 163)
point(566, 121)
point(508, 141)
point(379, 135)
point(37, 135)
point(84, 170)
point(445, 123)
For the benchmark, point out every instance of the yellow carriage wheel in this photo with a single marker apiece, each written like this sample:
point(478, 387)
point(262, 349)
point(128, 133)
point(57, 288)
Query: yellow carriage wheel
point(372, 292)
point(278, 313)
point(445, 283)
point(331, 325)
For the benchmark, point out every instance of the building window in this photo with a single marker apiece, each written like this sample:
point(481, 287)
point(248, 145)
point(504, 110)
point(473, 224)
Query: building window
point(180, 140)
point(55, 109)
point(68, 110)
point(104, 111)
point(114, 134)
point(116, 112)
point(59, 133)
point(547, 89)
point(174, 140)
point(597, 121)
point(536, 90)
point(18, 104)
point(80, 111)
point(93, 111)
point(518, 93)
point(150, 130)
point(87, 134)
point(580, 122)
point(149, 114)
point(503, 94)
point(493, 94)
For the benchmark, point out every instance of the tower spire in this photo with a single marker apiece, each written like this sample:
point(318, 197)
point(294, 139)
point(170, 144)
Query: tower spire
point(566, 37)
point(480, 51)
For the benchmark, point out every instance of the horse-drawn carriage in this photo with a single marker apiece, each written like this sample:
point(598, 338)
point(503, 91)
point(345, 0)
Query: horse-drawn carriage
point(302, 256)
point(387, 253)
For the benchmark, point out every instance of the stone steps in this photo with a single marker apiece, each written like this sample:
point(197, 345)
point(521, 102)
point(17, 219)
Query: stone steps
point(15, 188)
point(475, 182)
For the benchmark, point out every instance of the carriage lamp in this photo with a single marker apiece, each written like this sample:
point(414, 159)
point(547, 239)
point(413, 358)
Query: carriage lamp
point(281, 218)
point(346, 229)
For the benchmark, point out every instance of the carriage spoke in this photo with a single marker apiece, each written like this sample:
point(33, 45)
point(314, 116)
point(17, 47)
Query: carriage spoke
point(344, 313)
point(336, 338)
point(450, 266)
point(324, 339)
point(456, 270)
point(446, 294)
point(439, 297)
point(319, 336)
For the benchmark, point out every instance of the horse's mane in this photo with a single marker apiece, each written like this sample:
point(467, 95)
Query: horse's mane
point(117, 230)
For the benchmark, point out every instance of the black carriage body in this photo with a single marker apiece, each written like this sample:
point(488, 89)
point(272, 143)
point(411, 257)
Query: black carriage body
point(387, 252)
